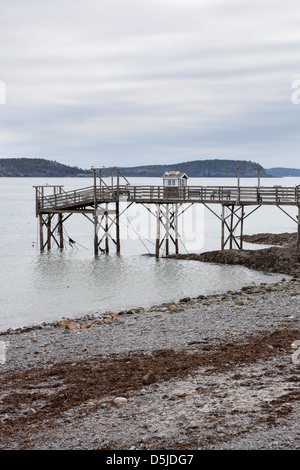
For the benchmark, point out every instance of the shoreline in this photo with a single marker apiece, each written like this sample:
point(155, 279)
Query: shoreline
point(213, 372)
point(87, 320)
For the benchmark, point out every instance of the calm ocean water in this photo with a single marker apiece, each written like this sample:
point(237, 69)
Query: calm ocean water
point(40, 287)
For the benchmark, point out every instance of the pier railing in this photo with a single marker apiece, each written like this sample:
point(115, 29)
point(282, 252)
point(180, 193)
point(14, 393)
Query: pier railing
point(81, 198)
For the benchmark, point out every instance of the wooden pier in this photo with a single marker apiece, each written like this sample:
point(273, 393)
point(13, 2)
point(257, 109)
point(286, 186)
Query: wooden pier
point(100, 203)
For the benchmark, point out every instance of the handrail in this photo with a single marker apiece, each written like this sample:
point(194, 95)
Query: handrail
point(212, 194)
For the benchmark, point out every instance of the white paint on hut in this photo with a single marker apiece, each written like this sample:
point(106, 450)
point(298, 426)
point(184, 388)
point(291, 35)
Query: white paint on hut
point(174, 183)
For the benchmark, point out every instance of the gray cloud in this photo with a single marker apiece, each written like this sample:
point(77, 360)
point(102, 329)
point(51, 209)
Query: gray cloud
point(129, 82)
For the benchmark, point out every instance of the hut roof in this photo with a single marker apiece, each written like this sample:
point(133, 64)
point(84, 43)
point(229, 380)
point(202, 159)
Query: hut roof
point(174, 174)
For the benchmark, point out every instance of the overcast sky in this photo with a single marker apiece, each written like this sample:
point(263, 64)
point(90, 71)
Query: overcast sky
point(133, 82)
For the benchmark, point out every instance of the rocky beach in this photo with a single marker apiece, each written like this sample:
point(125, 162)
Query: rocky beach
point(217, 372)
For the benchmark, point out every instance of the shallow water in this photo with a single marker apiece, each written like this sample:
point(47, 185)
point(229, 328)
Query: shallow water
point(39, 287)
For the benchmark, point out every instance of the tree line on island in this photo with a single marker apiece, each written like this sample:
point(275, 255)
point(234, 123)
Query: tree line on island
point(40, 167)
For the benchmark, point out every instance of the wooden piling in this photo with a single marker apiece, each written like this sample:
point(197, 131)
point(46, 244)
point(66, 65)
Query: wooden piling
point(60, 230)
point(176, 228)
point(49, 231)
point(167, 229)
point(157, 231)
point(118, 244)
point(223, 228)
point(106, 230)
point(41, 232)
point(298, 231)
point(96, 241)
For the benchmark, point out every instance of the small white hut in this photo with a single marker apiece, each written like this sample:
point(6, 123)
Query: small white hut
point(173, 181)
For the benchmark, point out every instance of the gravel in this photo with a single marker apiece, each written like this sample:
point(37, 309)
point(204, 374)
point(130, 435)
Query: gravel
point(225, 366)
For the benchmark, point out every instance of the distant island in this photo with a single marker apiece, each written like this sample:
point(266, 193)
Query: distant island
point(214, 168)
point(38, 167)
point(279, 171)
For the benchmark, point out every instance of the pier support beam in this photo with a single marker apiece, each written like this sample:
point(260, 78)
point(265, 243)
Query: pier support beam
point(298, 230)
point(157, 245)
point(60, 231)
point(118, 244)
point(41, 232)
point(53, 230)
point(166, 228)
point(96, 241)
point(232, 221)
point(109, 222)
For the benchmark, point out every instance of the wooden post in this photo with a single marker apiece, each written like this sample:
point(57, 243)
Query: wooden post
point(258, 176)
point(231, 227)
point(49, 231)
point(96, 242)
point(238, 175)
point(106, 230)
point(298, 232)
point(223, 228)
point(242, 227)
point(157, 230)
point(41, 232)
point(167, 229)
point(118, 226)
point(60, 230)
point(176, 228)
